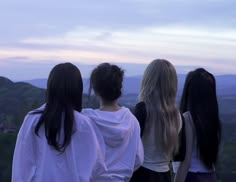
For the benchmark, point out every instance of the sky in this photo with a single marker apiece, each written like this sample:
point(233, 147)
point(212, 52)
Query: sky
point(37, 35)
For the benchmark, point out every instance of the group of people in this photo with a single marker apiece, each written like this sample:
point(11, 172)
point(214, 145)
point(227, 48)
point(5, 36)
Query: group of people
point(157, 142)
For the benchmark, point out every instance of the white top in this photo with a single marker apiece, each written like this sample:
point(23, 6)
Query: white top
point(35, 160)
point(124, 149)
point(155, 159)
point(196, 164)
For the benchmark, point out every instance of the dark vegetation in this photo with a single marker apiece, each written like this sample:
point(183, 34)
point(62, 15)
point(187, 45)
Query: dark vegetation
point(227, 160)
point(7, 144)
point(16, 99)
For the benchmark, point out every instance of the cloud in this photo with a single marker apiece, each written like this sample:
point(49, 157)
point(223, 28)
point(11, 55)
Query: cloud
point(33, 70)
point(25, 18)
point(188, 33)
point(140, 45)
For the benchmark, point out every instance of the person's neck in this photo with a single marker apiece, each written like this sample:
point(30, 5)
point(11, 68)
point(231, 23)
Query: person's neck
point(109, 106)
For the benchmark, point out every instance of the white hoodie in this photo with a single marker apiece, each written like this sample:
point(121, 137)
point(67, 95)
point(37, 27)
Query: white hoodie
point(36, 161)
point(124, 149)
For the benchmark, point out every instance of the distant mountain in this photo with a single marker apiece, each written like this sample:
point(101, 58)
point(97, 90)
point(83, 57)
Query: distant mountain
point(226, 84)
point(5, 82)
point(40, 83)
point(16, 99)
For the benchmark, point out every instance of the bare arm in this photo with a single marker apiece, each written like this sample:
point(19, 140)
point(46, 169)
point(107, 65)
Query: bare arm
point(184, 165)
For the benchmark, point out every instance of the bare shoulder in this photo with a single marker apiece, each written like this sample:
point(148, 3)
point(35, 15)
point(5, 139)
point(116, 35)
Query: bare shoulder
point(188, 119)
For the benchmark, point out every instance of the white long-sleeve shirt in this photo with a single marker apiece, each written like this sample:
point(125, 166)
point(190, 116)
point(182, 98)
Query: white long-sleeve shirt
point(124, 149)
point(35, 160)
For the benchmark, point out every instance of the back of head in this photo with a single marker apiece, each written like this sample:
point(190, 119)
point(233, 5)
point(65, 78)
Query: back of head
point(64, 94)
point(199, 97)
point(65, 86)
point(106, 81)
point(158, 91)
point(160, 78)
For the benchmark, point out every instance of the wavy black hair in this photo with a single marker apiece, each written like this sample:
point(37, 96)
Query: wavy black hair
point(63, 96)
point(199, 97)
point(106, 81)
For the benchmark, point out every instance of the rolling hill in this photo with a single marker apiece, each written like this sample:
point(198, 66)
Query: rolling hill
point(16, 99)
point(226, 84)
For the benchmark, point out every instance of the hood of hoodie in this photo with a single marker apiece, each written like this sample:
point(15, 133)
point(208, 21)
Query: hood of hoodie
point(116, 127)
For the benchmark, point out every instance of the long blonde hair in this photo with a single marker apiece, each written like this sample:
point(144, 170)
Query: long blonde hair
point(158, 92)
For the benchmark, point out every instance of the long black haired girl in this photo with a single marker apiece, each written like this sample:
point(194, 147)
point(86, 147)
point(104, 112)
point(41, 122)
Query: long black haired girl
point(63, 96)
point(200, 107)
point(56, 142)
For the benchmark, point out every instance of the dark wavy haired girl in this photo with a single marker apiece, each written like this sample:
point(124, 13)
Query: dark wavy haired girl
point(119, 127)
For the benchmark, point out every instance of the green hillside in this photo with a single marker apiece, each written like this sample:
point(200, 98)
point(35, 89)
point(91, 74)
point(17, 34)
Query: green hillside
point(16, 99)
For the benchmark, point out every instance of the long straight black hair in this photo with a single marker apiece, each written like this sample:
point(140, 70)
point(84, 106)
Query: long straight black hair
point(63, 96)
point(199, 97)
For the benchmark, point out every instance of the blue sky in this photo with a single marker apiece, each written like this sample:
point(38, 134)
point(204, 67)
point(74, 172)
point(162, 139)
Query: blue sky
point(36, 35)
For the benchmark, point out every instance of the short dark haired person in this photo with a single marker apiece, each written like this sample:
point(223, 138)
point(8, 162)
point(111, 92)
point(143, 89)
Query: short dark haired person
point(120, 128)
